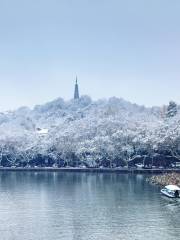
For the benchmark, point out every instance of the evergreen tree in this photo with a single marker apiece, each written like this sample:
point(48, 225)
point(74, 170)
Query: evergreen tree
point(171, 109)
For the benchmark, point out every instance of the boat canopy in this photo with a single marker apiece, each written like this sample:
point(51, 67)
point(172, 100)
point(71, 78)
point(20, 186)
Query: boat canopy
point(172, 188)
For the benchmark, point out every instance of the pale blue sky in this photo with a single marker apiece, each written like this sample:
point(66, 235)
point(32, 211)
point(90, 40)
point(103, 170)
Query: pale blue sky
point(123, 48)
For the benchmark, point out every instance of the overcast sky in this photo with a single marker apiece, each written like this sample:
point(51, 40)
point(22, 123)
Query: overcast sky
point(123, 48)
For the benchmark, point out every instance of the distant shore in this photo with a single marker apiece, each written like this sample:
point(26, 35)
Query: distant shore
point(95, 170)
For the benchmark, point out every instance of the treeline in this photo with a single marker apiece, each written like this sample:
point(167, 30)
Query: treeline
point(108, 133)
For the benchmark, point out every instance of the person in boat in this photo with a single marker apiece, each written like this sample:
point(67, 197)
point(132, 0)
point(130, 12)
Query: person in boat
point(176, 194)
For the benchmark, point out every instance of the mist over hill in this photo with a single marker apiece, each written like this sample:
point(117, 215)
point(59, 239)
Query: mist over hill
point(108, 132)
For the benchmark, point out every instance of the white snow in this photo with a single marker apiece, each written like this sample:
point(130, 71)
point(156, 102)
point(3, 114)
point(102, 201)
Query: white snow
point(91, 130)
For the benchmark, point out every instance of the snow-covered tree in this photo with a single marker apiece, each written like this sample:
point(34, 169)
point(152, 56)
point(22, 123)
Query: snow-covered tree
point(171, 109)
point(109, 133)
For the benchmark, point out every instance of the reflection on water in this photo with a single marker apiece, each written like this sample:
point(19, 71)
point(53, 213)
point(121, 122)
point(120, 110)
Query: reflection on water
point(87, 206)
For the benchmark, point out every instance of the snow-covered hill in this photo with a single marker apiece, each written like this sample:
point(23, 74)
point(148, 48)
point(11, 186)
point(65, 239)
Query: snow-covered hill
point(104, 132)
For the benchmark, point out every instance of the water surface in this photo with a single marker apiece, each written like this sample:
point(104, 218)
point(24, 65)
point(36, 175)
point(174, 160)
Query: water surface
point(84, 206)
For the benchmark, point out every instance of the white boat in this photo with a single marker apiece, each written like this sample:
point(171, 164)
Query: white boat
point(171, 191)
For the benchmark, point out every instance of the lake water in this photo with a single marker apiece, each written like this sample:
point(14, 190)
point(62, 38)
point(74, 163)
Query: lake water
point(84, 206)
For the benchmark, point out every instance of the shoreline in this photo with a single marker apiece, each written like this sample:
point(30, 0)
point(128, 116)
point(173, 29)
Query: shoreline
point(93, 170)
point(162, 180)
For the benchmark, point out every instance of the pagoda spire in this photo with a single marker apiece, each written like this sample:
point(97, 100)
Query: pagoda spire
point(76, 90)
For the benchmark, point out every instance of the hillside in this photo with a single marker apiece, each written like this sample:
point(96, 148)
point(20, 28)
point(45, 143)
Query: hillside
point(110, 132)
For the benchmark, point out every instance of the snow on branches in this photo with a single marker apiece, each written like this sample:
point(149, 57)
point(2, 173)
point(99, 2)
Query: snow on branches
point(110, 132)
